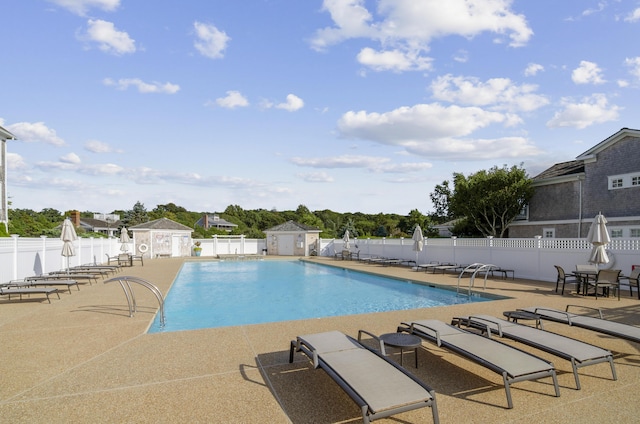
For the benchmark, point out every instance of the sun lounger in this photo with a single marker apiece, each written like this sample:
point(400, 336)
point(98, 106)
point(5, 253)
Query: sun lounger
point(601, 325)
point(380, 387)
point(580, 354)
point(49, 282)
point(62, 275)
point(10, 290)
point(513, 364)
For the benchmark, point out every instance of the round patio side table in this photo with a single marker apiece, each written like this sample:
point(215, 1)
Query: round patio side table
point(403, 341)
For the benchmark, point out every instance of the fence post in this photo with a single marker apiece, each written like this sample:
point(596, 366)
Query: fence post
point(539, 252)
point(15, 256)
point(454, 240)
point(44, 253)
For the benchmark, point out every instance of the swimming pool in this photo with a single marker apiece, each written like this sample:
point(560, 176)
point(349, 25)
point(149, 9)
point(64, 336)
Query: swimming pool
point(220, 294)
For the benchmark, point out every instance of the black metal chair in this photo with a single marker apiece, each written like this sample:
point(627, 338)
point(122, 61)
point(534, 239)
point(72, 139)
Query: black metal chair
point(565, 278)
point(633, 281)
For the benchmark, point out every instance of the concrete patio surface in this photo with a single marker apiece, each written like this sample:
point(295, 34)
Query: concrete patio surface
point(82, 359)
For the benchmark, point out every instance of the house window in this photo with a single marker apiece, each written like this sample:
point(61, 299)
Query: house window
point(524, 214)
point(624, 181)
point(548, 232)
point(616, 232)
point(635, 232)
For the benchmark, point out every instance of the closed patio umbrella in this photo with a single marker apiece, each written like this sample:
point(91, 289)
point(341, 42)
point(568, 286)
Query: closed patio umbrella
point(418, 241)
point(345, 239)
point(124, 239)
point(68, 236)
point(598, 236)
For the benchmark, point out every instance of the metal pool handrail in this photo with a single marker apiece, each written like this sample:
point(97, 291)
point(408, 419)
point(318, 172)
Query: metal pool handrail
point(477, 267)
point(125, 281)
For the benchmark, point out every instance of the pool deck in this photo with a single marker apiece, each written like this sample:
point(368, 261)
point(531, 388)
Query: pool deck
point(81, 359)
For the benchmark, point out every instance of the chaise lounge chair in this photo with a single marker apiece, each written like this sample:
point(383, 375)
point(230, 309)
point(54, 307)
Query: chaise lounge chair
point(601, 325)
point(27, 282)
point(513, 364)
point(11, 290)
point(380, 387)
point(580, 354)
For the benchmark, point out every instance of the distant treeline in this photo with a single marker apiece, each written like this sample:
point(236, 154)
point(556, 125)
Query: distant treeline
point(252, 223)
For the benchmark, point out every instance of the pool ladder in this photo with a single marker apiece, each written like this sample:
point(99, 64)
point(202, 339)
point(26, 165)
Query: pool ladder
point(125, 282)
point(477, 267)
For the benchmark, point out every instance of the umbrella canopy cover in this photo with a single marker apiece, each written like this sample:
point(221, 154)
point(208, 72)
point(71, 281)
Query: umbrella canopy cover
point(598, 236)
point(345, 239)
point(68, 236)
point(124, 239)
point(418, 239)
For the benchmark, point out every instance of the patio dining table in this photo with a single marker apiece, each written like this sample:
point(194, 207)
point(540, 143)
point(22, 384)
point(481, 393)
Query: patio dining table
point(583, 278)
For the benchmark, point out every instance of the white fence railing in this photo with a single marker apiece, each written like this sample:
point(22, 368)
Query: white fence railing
point(529, 258)
point(24, 257)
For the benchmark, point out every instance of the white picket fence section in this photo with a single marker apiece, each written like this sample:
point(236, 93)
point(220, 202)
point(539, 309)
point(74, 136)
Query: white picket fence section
point(529, 258)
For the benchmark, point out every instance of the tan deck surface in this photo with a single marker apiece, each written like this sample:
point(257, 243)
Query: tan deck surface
point(81, 359)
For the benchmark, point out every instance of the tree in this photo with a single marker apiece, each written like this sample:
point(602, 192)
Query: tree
point(491, 200)
point(138, 215)
point(441, 199)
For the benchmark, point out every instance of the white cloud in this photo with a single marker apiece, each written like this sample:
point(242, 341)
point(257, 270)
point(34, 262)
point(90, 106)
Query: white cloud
point(292, 104)
point(143, 87)
point(633, 16)
point(406, 27)
point(436, 131)
point(233, 100)
point(33, 132)
point(211, 42)
point(80, 7)
point(589, 111)
point(587, 73)
point(532, 69)
point(498, 93)
point(71, 158)
point(344, 161)
point(634, 64)
point(96, 146)
point(15, 162)
point(315, 177)
point(393, 60)
point(108, 38)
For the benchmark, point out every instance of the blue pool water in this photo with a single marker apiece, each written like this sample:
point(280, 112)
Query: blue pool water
point(220, 294)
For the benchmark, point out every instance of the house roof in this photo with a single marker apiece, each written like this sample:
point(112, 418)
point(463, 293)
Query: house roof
point(624, 132)
point(290, 226)
point(215, 220)
point(561, 169)
point(98, 223)
point(6, 135)
point(161, 224)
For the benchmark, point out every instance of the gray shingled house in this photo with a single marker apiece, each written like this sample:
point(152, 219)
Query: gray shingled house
point(567, 197)
point(292, 239)
point(162, 237)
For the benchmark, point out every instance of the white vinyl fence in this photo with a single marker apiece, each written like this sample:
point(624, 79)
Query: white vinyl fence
point(24, 257)
point(529, 258)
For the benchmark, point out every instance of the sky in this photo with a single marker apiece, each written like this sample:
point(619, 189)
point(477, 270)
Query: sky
point(347, 105)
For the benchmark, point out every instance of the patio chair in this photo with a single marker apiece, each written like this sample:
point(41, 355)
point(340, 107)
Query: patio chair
point(633, 281)
point(565, 278)
point(600, 325)
point(12, 290)
point(380, 387)
point(606, 279)
point(580, 354)
point(513, 364)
